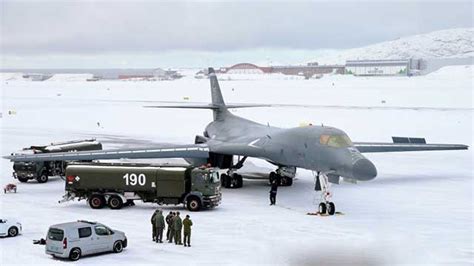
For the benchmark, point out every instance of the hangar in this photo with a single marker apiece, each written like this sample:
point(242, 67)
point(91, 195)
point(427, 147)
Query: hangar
point(389, 67)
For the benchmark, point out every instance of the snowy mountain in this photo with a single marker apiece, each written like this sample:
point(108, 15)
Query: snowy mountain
point(451, 43)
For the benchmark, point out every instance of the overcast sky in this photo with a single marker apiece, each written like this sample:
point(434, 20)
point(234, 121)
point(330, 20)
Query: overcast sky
point(137, 33)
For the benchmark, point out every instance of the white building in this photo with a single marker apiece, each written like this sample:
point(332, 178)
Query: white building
point(378, 67)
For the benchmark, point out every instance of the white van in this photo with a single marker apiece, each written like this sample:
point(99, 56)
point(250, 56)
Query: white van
point(76, 239)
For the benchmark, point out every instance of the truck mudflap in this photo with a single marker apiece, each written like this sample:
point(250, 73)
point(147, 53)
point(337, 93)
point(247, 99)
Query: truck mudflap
point(212, 201)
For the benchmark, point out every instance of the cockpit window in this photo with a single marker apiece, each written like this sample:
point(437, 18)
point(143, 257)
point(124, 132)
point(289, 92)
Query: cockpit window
point(337, 141)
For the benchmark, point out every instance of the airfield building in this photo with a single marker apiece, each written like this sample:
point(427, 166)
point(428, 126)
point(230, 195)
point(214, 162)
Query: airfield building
point(307, 71)
point(387, 67)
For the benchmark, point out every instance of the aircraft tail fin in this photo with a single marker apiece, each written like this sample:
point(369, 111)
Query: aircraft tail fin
point(220, 110)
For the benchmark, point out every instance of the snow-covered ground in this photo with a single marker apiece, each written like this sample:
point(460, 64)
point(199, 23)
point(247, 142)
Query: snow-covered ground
point(450, 43)
point(418, 210)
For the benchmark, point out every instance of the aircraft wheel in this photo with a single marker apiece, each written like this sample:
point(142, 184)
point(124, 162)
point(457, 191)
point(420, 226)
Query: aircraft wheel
point(331, 208)
point(286, 181)
point(240, 181)
point(237, 181)
point(322, 208)
point(273, 177)
point(225, 180)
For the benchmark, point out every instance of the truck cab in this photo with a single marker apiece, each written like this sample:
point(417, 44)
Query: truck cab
point(205, 185)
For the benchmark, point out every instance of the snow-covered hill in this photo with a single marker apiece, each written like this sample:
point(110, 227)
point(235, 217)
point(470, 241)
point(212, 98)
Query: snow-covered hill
point(451, 43)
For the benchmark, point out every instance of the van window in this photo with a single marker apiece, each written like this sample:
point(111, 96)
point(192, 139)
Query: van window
point(55, 234)
point(85, 232)
point(101, 230)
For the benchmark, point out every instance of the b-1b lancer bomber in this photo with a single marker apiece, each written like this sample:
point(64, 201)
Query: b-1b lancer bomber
point(327, 151)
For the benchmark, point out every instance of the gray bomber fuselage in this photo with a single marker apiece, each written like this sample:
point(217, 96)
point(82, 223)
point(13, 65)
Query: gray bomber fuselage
point(298, 147)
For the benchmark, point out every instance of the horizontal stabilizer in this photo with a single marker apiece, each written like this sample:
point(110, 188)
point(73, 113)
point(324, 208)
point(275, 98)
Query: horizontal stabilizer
point(206, 106)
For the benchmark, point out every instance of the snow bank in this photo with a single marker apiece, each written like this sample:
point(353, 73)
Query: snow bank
point(452, 43)
point(70, 77)
point(454, 72)
point(12, 77)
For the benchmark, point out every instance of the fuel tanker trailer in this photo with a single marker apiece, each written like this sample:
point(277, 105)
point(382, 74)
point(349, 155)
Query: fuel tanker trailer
point(120, 184)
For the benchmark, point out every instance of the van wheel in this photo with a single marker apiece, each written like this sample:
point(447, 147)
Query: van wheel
point(23, 179)
point(43, 178)
point(115, 202)
point(96, 201)
point(75, 254)
point(194, 204)
point(118, 246)
point(12, 231)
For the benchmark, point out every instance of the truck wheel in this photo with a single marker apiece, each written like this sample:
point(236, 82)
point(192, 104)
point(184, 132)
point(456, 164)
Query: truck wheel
point(96, 201)
point(118, 246)
point(23, 179)
point(12, 231)
point(43, 178)
point(194, 204)
point(115, 202)
point(75, 254)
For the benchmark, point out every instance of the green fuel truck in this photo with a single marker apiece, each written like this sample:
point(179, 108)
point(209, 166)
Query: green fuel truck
point(119, 184)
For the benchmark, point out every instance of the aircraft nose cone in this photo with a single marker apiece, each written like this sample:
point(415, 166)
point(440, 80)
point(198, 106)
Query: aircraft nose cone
point(364, 169)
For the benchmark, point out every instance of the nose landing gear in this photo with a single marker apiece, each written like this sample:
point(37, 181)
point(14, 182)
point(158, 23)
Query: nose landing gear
point(322, 184)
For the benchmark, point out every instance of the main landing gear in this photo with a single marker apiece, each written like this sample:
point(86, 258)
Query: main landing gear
point(232, 179)
point(323, 185)
point(283, 176)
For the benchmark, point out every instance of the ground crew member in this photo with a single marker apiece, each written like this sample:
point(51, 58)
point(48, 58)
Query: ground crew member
point(187, 223)
point(273, 192)
point(177, 226)
point(168, 219)
point(152, 220)
point(160, 226)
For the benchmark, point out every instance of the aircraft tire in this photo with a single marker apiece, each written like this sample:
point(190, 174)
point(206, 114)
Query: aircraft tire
point(272, 177)
point(225, 180)
point(240, 181)
point(322, 208)
point(331, 208)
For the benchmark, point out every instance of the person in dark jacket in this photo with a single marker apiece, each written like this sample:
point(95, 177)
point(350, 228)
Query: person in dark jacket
point(152, 220)
point(273, 192)
point(169, 220)
point(187, 223)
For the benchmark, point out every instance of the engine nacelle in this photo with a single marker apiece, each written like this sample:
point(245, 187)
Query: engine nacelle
point(200, 139)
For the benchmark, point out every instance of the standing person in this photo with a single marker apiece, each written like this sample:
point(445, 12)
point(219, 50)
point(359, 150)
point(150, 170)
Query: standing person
point(168, 219)
point(173, 216)
point(177, 225)
point(187, 223)
point(273, 192)
point(160, 226)
point(152, 220)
